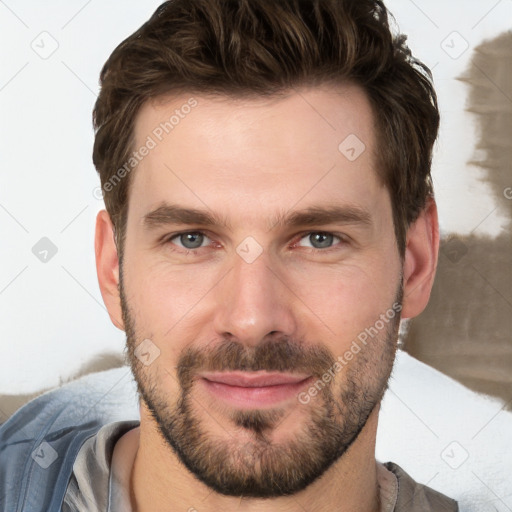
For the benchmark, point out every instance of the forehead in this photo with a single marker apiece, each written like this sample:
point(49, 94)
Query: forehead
point(310, 144)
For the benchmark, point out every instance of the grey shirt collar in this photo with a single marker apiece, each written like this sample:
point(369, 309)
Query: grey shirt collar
point(95, 486)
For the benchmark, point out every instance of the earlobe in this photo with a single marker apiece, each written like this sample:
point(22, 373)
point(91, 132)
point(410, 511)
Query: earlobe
point(107, 267)
point(420, 262)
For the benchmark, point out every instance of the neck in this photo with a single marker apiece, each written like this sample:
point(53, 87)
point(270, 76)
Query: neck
point(160, 482)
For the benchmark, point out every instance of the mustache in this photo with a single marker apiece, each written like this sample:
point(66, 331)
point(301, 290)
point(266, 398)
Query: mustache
point(282, 355)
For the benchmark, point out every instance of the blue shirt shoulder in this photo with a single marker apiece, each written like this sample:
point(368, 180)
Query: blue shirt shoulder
point(40, 442)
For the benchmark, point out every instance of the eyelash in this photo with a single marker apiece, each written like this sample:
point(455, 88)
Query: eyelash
point(343, 240)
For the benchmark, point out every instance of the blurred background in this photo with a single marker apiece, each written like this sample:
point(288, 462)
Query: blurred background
point(54, 323)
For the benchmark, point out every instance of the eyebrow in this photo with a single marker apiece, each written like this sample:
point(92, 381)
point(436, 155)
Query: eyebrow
point(174, 214)
point(316, 215)
point(313, 216)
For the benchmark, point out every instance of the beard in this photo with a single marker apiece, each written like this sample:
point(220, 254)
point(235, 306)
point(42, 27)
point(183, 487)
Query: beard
point(253, 464)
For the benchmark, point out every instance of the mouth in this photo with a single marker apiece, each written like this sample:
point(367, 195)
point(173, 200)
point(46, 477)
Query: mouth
point(253, 389)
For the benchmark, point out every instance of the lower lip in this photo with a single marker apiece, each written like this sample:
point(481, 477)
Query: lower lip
point(264, 396)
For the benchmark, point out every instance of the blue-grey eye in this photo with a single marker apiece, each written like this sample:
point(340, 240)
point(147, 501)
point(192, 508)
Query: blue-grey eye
point(321, 240)
point(191, 240)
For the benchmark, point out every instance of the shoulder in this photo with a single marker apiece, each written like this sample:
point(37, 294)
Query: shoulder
point(413, 496)
point(39, 443)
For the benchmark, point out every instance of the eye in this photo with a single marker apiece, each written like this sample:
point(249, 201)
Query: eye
point(320, 240)
point(189, 240)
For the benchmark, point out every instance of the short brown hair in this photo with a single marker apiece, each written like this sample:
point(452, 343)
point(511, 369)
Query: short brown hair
point(265, 48)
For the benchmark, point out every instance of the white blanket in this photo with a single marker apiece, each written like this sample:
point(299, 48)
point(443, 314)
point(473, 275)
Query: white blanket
point(447, 437)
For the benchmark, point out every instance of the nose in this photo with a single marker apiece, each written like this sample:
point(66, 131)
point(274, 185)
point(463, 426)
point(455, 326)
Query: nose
point(253, 302)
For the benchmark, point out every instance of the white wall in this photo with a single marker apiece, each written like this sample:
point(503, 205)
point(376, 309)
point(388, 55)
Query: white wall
point(51, 314)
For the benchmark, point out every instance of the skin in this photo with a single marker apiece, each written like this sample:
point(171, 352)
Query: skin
point(249, 160)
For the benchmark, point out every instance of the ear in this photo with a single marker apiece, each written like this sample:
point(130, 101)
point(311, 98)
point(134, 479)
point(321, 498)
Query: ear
point(107, 267)
point(421, 254)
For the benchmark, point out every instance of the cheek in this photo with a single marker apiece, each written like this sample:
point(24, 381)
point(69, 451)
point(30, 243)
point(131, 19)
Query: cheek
point(166, 300)
point(347, 300)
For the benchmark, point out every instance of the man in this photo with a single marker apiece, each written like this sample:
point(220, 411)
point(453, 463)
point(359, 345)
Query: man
point(266, 175)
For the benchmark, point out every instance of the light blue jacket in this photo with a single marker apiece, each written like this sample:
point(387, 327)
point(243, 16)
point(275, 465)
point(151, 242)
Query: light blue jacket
point(40, 442)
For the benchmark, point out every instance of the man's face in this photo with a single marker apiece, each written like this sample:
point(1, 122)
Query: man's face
point(298, 259)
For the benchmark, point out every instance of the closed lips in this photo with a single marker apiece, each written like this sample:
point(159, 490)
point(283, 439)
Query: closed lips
point(253, 380)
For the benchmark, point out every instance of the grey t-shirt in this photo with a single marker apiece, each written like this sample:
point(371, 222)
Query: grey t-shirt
point(94, 488)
